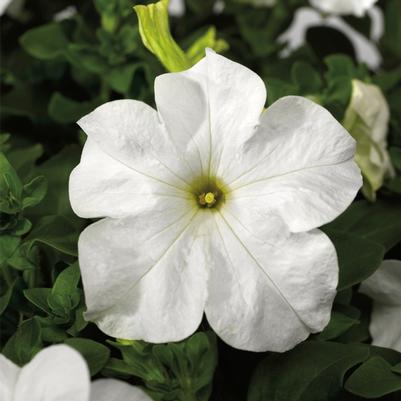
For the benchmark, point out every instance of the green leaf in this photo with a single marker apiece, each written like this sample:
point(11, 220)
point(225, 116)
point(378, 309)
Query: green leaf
point(8, 245)
point(64, 295)
point(96, 354)
point(64, 110)
point(197, 50)
point(5, 298)
point(373, 379)
point(38, 296)
point(57, 232)
point(379, 222)
point(25, 343)
point(358, 258)
point(57, 171)
point(397, 368)
point(175, 371)
point(395, 154)
point(313, 371)
point(34, 192)
point(306, 77)
point(45, 42)
point(339, 323)
point(10, 187)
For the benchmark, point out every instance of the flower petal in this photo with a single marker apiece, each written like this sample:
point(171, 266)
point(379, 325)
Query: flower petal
point(355, 7)
point(116, 390)
point(299, 163)
point(384, 287)
point(143, 276)
point(208, 108)
point(130, 132)
point(269, 295)
point(55, 373)
point(101, 186)
point(8, 378)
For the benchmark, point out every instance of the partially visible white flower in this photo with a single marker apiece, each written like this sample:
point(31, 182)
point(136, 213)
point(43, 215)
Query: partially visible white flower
point(366, 51)
point(116, 390)
point(212, 205)
point(344, 7)
point(367, 118)
point(176, 8)
point(3, 5)
point(59, 373)
point(65, 13)
point(384, 287)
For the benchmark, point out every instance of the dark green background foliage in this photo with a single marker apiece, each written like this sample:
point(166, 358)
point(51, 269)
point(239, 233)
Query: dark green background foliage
point(52, 73)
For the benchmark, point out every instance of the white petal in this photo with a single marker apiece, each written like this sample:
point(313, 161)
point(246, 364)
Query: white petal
point(57, 373)
point(385, 326)
point(269, 294)
point(384, 286)
point(116, 390)
point(8, 377)
point(299, 163)
point(131, 133)
point(355, 7)
point(143, 276)
point(101, 186)
point(208, 108)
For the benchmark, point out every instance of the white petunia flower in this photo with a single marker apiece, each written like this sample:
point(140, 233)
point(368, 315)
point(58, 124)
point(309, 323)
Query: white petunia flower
point(212, 205)
point(384, 287)
point(367, 118)
point(59, 373)
point(366, 50)
point(344, 7)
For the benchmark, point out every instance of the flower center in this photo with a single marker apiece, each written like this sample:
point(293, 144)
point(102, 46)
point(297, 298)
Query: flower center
point(208, 192)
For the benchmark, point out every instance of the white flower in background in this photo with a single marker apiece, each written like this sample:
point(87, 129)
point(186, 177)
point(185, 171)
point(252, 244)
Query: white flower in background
point(367, 118)
point(3, 5)
point(384, 287)
point(366, 50)
point(344, 7)
point(59, 373)
point(212, 205)
point(176, 8)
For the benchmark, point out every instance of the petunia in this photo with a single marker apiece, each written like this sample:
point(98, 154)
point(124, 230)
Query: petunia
point(211, 205)
point(344, 7)
point(59, 373)
point(384, 287)
point(367, 118)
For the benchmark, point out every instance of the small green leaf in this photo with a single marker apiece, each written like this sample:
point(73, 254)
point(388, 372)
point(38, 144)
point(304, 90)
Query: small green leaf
point(64, 295)
point(10, 187)
point(197, 50)
point(373, 379)
point(38, 296)
point(5, 298)
point(45, 42)
point(8, 245)
point(34, 192)
point(96, 354)
point(25, 343)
